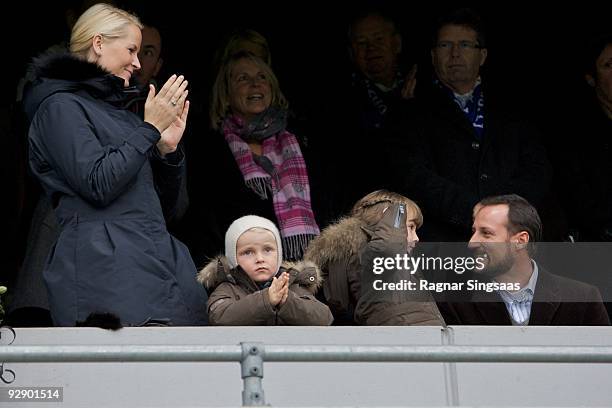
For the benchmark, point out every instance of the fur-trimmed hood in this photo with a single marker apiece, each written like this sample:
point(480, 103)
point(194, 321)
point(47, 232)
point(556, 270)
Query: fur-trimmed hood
point(218, 270)
point(54, 72)
point(339, 241)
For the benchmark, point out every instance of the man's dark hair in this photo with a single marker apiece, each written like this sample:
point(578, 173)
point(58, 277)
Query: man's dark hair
point(522, 216)
point(462, 17)
point(592, 51)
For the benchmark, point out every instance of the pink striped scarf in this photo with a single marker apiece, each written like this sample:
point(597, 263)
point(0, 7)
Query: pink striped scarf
point(286, 178)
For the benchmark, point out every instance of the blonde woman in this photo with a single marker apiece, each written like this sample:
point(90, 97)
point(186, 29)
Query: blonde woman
point(111, 176)
point(254, 164)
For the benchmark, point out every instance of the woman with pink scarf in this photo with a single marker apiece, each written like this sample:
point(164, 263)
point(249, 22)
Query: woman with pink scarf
point(253, 164)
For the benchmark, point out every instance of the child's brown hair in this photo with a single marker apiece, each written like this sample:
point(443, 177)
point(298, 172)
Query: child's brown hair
point(370, 208)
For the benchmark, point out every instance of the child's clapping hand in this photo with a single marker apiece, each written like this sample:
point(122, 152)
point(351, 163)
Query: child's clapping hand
point(278, 292)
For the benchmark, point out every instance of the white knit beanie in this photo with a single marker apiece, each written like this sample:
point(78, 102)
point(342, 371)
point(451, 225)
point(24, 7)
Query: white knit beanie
point(243, 224)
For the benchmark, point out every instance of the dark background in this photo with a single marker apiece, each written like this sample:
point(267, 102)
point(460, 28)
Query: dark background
point(533, 49)
point(534, 55)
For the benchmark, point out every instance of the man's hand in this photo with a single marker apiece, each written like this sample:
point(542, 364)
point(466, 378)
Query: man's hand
point(410, 83)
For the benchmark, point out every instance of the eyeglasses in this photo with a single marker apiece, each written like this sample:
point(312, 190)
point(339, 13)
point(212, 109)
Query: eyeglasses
point(446, 46)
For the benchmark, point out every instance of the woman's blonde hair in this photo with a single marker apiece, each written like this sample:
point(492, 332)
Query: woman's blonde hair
point(220, 97)
point(370, 209)
point(103, 19)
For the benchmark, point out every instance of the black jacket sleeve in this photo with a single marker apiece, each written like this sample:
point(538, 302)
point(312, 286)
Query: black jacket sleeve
point(64, 146)
point(171, 182)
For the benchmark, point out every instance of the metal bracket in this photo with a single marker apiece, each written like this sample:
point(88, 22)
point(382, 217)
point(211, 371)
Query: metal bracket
point(7, 376)
point(251, 365)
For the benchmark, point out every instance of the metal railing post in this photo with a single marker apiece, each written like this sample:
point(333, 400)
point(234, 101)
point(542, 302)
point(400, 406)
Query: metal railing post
point(251, 365)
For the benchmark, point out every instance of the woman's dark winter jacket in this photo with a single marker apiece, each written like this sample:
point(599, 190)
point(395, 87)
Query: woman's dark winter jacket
point(110, 190)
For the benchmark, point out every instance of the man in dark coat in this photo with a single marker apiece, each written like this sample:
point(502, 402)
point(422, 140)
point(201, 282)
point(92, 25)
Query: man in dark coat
point(466, 147)
point(586, 162)
point(505, 230)
point(366, 106)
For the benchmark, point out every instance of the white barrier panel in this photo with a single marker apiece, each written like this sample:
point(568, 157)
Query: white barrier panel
point(312, 384)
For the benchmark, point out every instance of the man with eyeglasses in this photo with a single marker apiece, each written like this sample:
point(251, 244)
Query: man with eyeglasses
point(467, 146)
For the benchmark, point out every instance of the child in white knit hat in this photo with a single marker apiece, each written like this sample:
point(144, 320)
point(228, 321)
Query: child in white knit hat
point(251, 285)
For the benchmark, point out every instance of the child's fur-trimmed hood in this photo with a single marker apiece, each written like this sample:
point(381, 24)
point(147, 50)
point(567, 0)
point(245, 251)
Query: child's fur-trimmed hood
point(339, 241)
point(217, 271)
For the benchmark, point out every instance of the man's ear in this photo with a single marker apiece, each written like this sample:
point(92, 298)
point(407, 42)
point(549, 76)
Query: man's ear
point(521, 239)
point(589, 79)
point(483, 56)
point(397, 43)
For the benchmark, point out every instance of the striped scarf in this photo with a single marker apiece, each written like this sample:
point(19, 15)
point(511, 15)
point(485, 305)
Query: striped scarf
point(379, 100)
point(472, 105)
point(280, 171)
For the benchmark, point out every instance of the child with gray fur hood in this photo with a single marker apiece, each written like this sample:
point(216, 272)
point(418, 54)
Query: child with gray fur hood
point(251, 285)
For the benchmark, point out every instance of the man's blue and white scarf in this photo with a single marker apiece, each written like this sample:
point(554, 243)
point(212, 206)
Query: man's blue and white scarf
point(472, 105)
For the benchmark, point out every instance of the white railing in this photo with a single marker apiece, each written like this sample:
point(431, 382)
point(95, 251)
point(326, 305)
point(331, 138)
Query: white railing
point(252, 355)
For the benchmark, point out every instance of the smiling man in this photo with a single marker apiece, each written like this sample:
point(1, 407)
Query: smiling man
point(505, 231)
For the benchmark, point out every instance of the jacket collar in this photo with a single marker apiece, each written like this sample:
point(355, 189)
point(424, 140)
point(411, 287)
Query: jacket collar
point(217, 271)
point(542, 312)
point(494, 311)
point(55, 72)
point(338, 242)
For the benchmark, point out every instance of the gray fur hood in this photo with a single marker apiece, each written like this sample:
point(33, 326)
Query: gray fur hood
point(338, 242)
point(217, 271)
